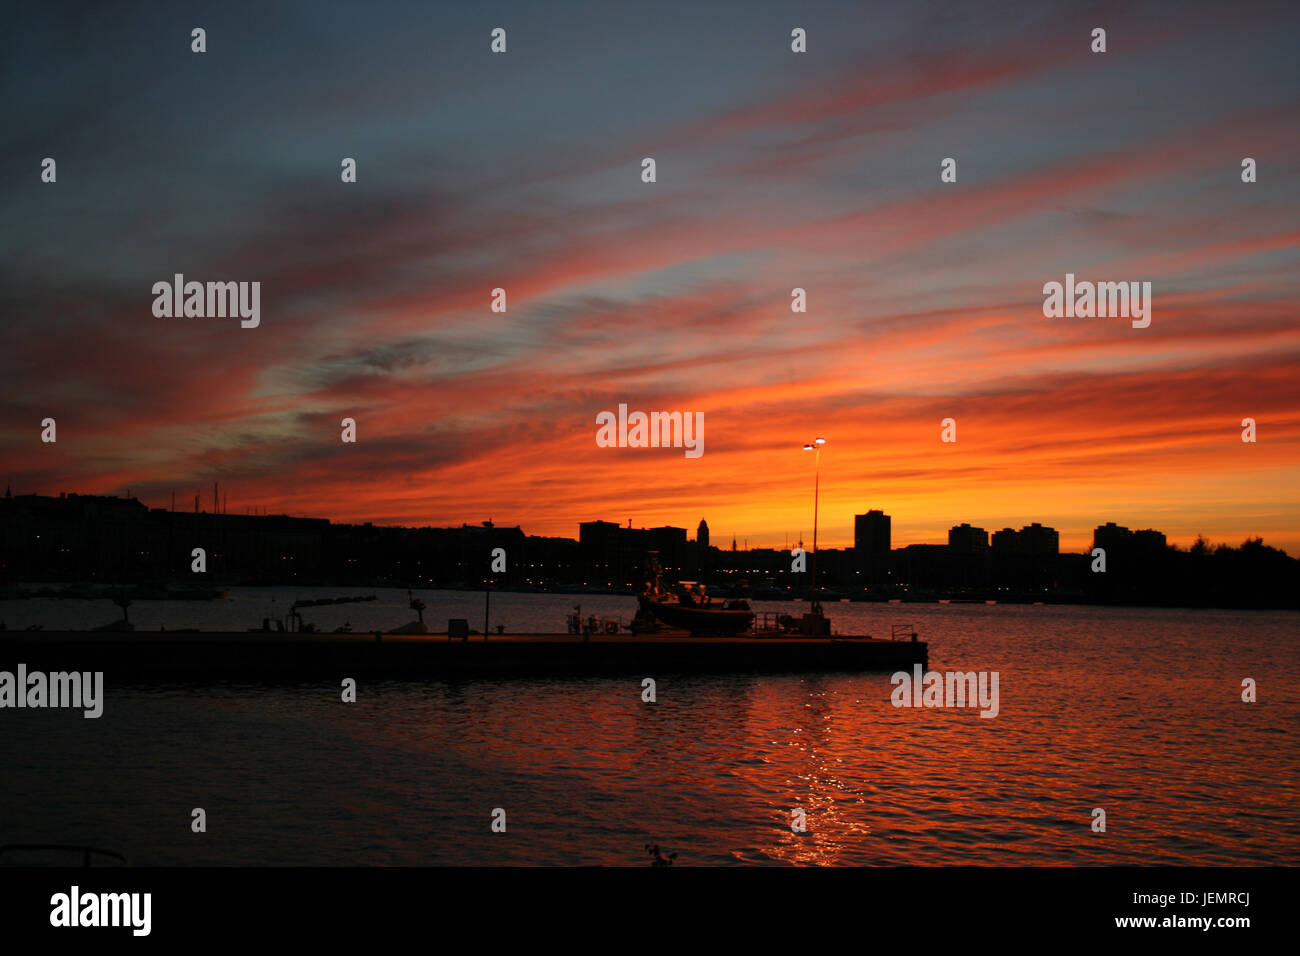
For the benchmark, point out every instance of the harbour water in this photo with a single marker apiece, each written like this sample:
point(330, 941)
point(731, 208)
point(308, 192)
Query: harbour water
point(1137, 712)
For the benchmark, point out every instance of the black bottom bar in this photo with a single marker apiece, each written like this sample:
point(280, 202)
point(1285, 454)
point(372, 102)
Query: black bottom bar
point(663, 906)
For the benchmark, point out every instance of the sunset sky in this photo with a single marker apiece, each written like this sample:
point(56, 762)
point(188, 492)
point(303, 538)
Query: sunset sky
point(775, 170)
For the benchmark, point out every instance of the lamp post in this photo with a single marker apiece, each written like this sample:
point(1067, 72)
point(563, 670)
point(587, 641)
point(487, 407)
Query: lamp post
point(815, 446)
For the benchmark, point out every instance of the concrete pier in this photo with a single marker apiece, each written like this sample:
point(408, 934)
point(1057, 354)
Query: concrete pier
point(255, 655)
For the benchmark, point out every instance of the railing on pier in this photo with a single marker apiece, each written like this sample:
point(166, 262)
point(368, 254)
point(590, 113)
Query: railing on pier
point(902, 632)
point(769, 622)
point(595, 625)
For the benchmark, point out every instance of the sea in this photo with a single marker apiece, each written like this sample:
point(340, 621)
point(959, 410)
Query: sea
point(1121, 737)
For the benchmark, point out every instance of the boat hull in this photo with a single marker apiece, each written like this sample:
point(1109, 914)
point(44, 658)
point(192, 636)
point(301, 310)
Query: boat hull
point(698, 620)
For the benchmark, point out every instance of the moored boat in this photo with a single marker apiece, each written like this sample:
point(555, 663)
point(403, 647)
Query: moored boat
point(688, 607)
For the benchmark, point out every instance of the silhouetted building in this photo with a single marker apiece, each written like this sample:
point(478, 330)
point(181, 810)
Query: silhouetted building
point(111, 540)
point(970, 565)
point(617, 555)
point(1033, 539)
point(871, 543)
point(923, 566)
point(1138, 569)
point(1149, 540)
point(1026, 559)
point(595, 536)
point(1110, 535)
point(670, 543)
point(1036, 539)
point(871, 533)
point(964, 539)
point(1005, 541)
point(701, 554)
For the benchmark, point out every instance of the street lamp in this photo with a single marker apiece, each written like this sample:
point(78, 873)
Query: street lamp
point(816, 448)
